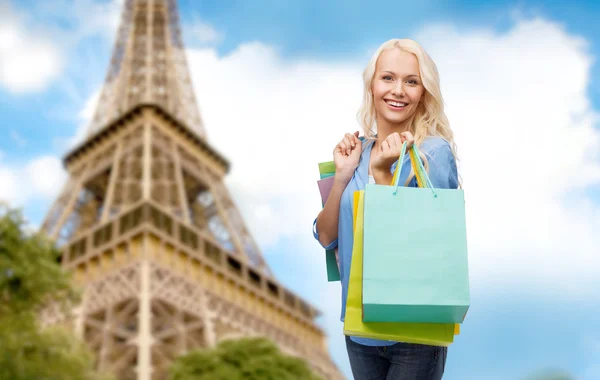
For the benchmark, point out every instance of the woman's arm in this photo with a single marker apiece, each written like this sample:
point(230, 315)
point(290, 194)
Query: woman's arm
point(346, 156)
point(328, 219)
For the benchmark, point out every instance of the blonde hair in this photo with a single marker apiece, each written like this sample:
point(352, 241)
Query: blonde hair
point(429, 118)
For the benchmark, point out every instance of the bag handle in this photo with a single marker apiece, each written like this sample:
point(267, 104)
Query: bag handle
point(423, 179)
point(419, 169)
point(396, 176)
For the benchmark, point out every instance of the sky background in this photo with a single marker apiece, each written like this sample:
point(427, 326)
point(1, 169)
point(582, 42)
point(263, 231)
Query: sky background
point(279, 83)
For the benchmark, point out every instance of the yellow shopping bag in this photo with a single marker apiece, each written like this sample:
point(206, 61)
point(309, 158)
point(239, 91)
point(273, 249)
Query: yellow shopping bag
point(435, 334)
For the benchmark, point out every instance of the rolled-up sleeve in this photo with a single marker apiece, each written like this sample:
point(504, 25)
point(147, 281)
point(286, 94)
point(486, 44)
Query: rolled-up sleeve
point(443, 172)
point(331, 245)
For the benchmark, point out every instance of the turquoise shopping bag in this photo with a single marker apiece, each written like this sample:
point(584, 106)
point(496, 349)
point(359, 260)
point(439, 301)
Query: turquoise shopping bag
point(415, 252)
point(435, 334)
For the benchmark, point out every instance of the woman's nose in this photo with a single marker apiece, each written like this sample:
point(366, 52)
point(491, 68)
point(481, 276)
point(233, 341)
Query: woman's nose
point(398, 89)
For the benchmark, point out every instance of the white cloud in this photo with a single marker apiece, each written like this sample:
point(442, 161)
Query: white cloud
point(39, 178)
point(517, 102)
point(46, 175)
point(527, 139)
point(37, 43)
point(9, 191)
point(29, 61)
point(203, 32)
point(275, 121)
point(84, 118)
point(87, 112)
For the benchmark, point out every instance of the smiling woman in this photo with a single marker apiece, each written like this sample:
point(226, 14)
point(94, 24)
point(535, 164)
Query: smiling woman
point(402, 103)
point(401, 70)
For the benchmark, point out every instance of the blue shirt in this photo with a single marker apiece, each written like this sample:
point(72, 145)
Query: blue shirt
point(443, 174)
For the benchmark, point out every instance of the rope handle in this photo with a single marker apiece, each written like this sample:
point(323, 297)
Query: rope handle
point(423, 180)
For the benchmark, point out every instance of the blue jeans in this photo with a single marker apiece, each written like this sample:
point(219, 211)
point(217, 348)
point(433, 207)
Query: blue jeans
point(400, 361)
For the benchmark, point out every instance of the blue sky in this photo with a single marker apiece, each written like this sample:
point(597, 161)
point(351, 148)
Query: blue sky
point(522, 87)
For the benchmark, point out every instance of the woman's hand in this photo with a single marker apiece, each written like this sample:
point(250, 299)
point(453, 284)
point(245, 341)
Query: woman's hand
point(346, 156)
point(389, 151)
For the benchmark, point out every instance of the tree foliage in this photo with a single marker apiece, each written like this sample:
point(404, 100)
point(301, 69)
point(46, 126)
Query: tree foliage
point(246, 358)
point(30, 280)
point(551, 374)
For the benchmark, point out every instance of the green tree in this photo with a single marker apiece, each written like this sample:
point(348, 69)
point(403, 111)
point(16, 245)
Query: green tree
point(551, 374)
point(31, 279)
point(246, 358)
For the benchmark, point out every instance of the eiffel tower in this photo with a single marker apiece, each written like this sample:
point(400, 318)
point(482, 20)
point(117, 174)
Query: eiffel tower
point(151, 232)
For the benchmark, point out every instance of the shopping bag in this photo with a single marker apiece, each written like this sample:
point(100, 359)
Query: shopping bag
point(421, 333)
point(415, 252)
point(326, 169)
point(326, 172)
point(325, 186)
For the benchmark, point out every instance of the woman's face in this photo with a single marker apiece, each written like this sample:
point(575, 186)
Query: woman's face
point(397, 87)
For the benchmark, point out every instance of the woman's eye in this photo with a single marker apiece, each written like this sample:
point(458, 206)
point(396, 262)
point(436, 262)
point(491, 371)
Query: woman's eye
point(387, 77)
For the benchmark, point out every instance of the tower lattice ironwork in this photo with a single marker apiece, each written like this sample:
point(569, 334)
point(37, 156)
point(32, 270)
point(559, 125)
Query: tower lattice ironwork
point(151, 232)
